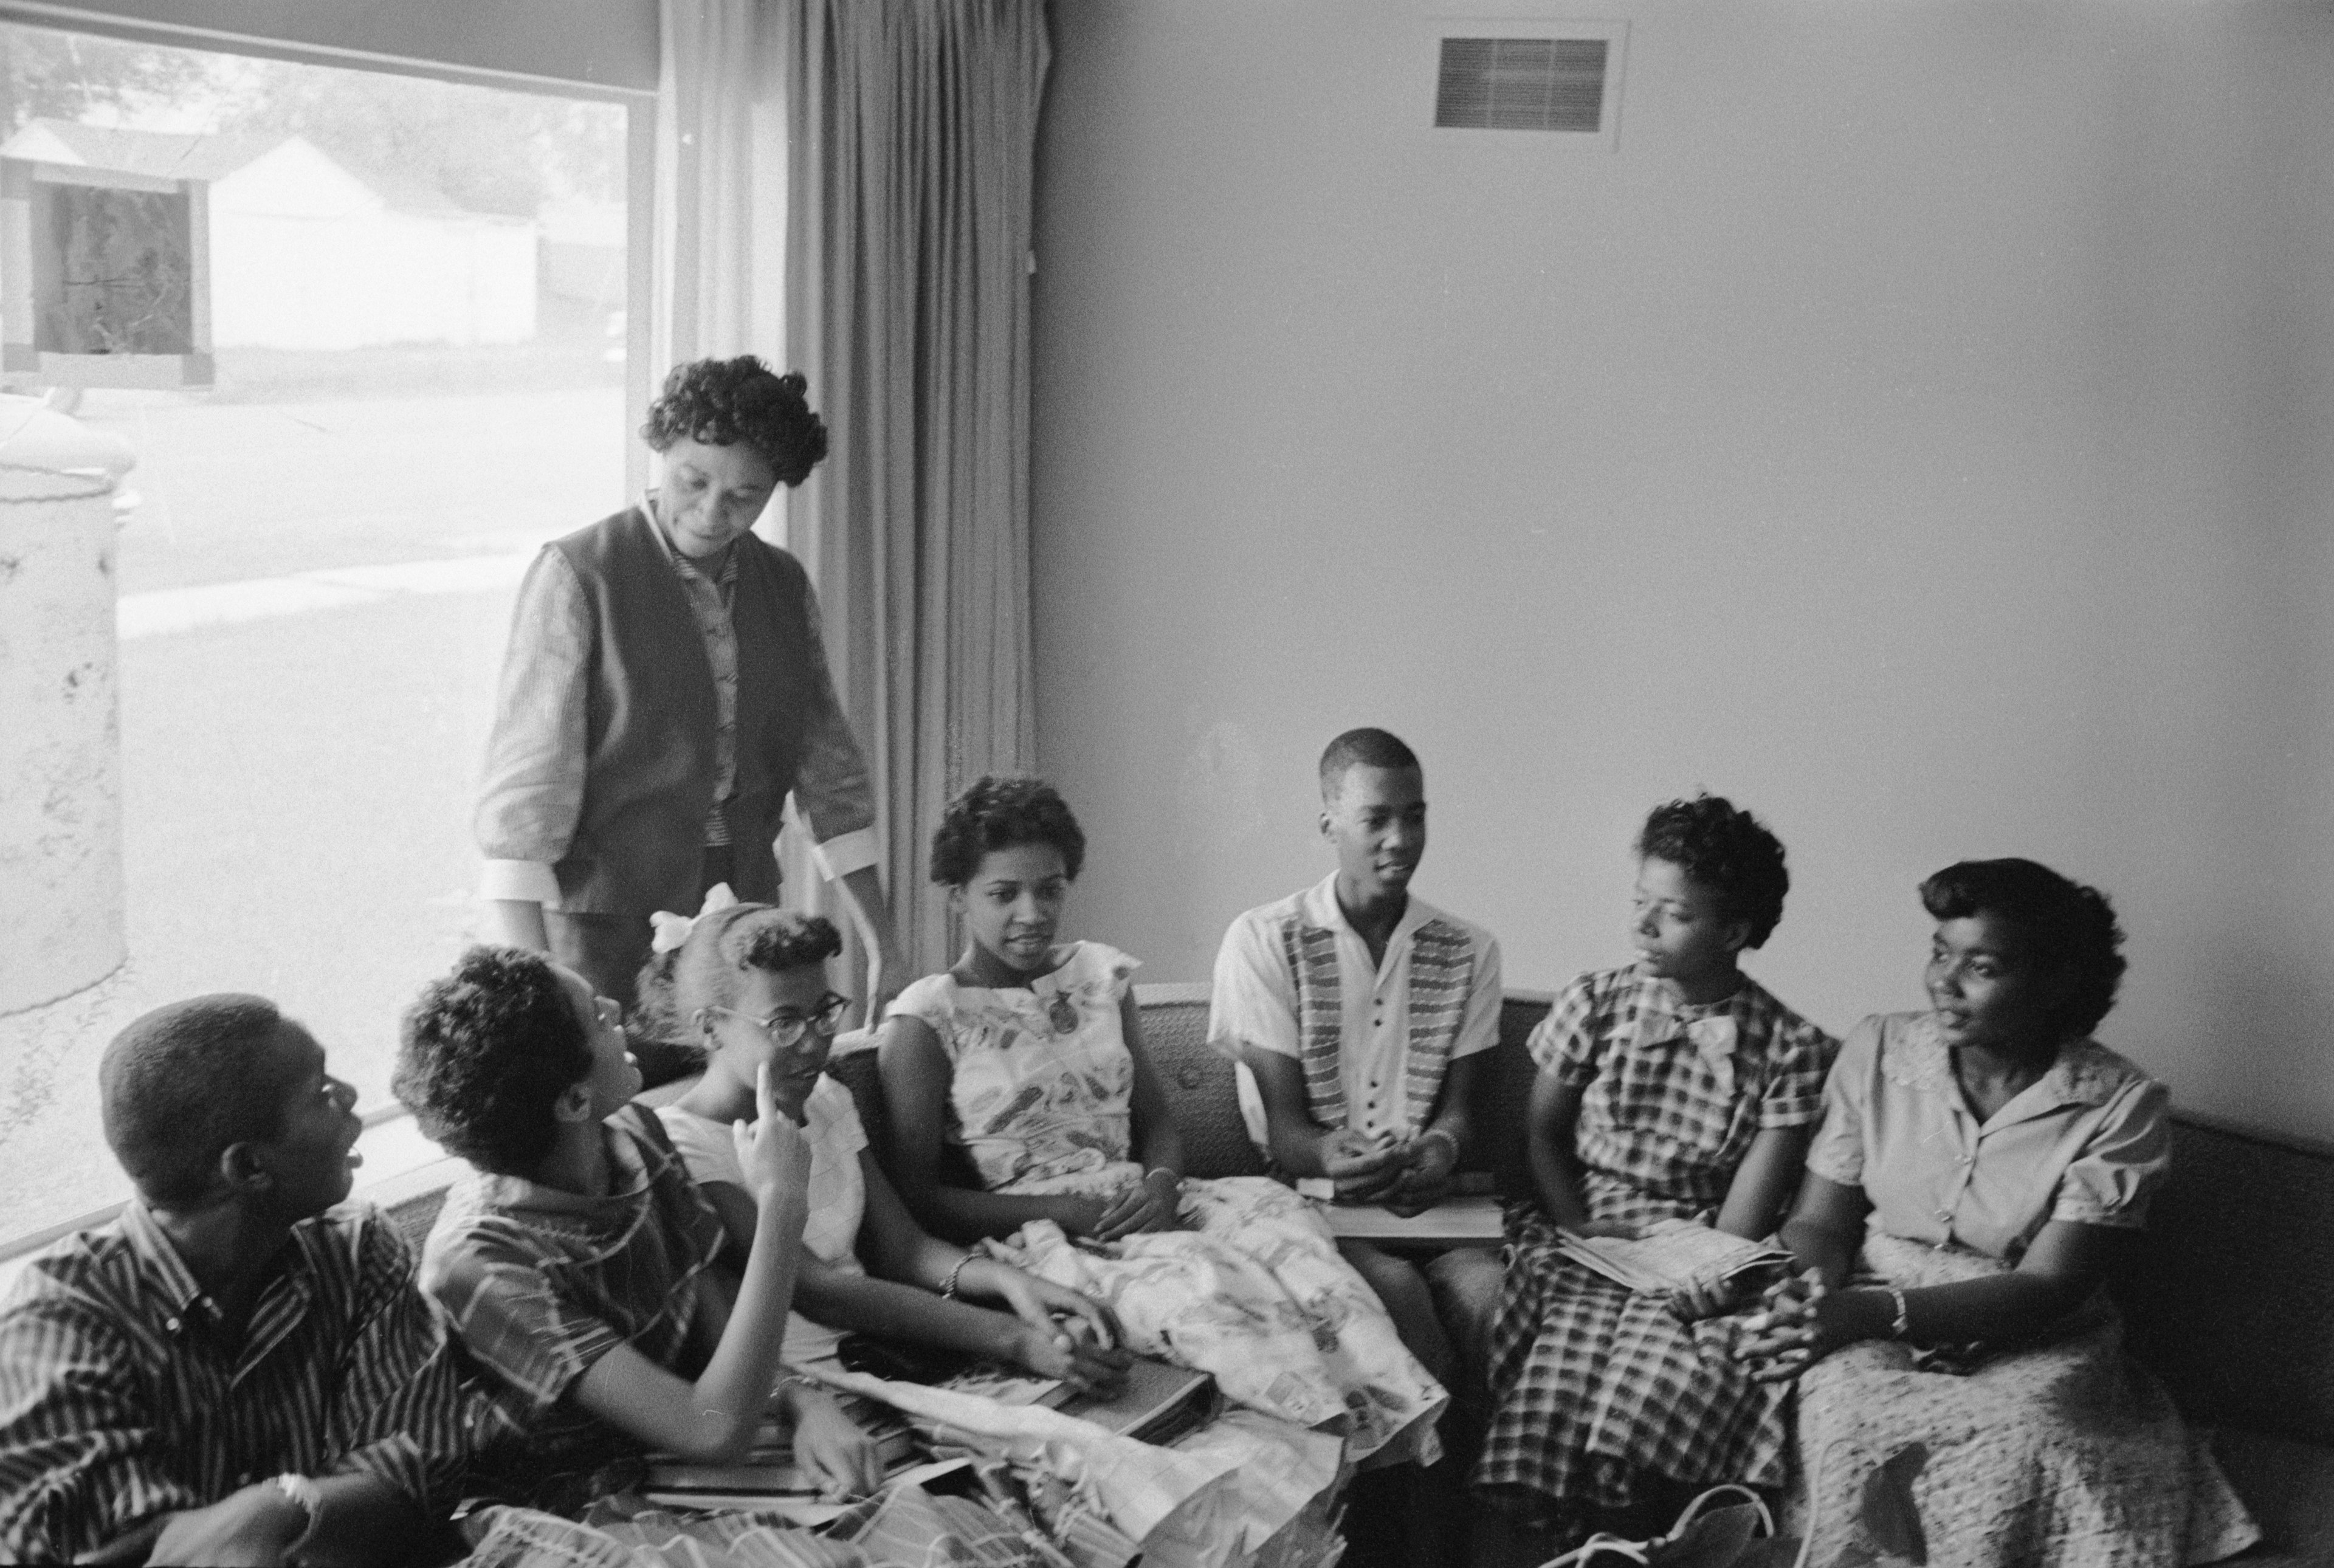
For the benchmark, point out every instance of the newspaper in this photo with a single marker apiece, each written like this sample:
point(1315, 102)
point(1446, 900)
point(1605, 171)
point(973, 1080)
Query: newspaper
point(1669, 1255)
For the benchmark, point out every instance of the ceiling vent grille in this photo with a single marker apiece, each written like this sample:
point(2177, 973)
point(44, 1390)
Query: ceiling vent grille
point(1522, 84)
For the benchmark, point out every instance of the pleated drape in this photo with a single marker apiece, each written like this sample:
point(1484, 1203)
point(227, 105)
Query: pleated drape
point(718, 267)
point(911, 134)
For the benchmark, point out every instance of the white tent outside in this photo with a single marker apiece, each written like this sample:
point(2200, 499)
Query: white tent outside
point(307, 254)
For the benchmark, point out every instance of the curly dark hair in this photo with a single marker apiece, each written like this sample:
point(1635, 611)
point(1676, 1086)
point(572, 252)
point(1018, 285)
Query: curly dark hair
point(722, 948)
point(2069, 927)
point(485, 1053)
point(180, 1083)
point(721, 402)
point(1724, 849)
point(998, 812)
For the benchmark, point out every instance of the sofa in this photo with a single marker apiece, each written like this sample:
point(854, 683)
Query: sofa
point(2229, 1298)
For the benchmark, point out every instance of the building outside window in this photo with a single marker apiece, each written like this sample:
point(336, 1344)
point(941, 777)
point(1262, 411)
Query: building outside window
point(418, 292)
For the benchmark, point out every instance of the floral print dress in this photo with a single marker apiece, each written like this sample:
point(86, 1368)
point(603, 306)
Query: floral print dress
point(1250, 1288)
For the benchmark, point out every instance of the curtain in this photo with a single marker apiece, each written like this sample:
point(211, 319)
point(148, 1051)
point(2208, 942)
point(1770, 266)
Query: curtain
point(718, 267)
point(911, 139)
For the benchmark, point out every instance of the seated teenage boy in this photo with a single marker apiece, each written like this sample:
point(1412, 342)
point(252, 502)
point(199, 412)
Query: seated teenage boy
point(228, 1372)
point(1359, 1015)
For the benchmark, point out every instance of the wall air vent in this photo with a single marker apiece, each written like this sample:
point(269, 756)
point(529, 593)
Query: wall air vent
point(1522, 84)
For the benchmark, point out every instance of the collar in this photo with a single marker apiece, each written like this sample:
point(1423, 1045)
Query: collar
point(724, 575)
point(2085, 1072)
point(1321, 910)
point(1714, 1028)
point(282, 1304)
point(626, 1158)
point(160, 1269)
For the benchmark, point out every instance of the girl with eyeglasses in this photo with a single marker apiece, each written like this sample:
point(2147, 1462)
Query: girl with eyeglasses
point(748, 987)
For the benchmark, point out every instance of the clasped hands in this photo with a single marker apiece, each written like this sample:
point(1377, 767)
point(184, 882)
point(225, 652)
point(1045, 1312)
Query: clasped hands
point(1797, 1324)
point(1408, 1176)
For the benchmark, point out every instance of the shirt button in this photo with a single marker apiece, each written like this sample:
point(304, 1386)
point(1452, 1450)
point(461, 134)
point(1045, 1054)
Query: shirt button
point(170, 1324)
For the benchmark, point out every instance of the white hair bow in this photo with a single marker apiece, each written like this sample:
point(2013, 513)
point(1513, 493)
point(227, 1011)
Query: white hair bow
point(671, 930)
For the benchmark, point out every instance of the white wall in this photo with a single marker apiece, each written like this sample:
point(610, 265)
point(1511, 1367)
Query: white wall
point(1918, 430)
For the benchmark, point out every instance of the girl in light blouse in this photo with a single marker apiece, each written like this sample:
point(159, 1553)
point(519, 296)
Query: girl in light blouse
point(1980, 1164)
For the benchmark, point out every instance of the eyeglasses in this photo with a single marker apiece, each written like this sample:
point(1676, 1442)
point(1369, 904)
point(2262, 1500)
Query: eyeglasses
point(786, 1027)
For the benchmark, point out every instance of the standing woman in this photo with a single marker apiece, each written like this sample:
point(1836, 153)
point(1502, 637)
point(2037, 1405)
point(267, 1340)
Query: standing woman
point(663, 690)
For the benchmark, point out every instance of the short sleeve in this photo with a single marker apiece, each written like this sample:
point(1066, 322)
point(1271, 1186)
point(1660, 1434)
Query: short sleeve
point(2111, 1182)
point(1838, 1153)
point(500, 1300)
point(931, 1002)
point(1794, 1084)
point(834, 1121)
point(1565, 1044)
point(1113, 969)
point(1478, 1026)
point(707, 1147)
point(1252, 998)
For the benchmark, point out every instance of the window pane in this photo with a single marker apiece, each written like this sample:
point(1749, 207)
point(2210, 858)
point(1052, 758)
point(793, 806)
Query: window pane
point(415, 295)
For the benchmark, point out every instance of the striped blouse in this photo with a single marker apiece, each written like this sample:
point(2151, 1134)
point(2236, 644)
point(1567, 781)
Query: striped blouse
point(120, 1398)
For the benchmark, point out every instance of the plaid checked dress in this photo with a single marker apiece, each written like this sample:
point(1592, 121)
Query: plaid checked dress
point(1597, 1389)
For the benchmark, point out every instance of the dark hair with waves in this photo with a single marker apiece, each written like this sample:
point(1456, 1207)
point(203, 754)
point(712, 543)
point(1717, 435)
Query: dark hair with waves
point(1726, 850)
point(487, 1052)
point(2068, 928)
point(722, 950)
point(998, 812)
point(722, 402)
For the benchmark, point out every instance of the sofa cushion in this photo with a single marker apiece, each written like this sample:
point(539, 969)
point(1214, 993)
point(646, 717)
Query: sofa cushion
point(2228, 1291)
point(2290, 1487)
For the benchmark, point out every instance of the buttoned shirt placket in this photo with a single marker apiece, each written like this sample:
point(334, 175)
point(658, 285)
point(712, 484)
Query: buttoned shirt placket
point(710, 600)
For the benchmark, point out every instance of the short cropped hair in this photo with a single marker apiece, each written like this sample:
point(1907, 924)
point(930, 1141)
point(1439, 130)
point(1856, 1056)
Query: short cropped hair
point(1362, 748)
point(182, 1083)
point(721, 402)
point(999, 812)
point(722, 950)
point(2071, 929)
point(1726, 850)
point(487, 1050)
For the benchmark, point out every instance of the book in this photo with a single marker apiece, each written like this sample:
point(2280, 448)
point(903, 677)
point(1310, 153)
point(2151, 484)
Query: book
point(1454, 1221)
point(769, 1469)
point(1670, 1254)
point(1157, 1402)
point(804, 1508)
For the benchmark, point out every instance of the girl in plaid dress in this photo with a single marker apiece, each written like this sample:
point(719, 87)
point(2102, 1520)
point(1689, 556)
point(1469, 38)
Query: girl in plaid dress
point(1675, 1087)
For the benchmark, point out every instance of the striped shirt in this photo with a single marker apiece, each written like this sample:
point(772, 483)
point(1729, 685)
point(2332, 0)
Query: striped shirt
point(1294, 976)
point(123, 1397)
point(540, 1284)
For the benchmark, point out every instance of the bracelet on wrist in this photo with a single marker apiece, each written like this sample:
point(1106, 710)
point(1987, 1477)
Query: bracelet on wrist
point(1901, 1323)
point(948, 1285)
point(1174, 1178)
point(1447, 1135)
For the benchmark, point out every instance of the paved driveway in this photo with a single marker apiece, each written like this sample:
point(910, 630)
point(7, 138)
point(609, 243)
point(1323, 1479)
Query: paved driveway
point(296, 783)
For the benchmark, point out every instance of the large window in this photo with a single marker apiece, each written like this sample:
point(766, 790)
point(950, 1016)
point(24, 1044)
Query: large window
point(418, 290)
